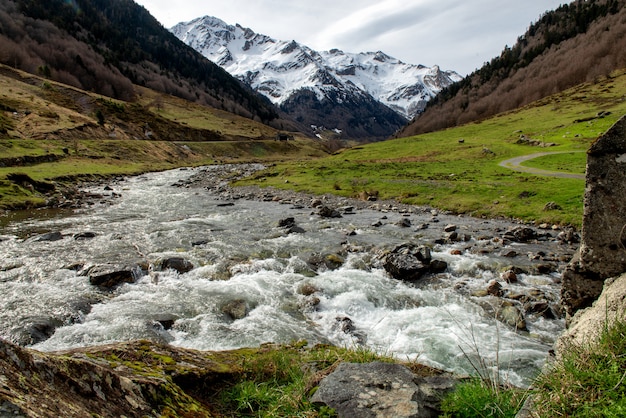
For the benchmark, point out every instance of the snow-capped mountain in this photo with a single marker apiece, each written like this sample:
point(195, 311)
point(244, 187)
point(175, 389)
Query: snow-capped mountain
point(294, 77)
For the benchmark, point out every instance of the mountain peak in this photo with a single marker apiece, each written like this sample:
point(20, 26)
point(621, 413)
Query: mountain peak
point(282, 70)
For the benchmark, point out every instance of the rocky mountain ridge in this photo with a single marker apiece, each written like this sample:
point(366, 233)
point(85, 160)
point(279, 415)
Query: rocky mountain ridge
point(294, 76)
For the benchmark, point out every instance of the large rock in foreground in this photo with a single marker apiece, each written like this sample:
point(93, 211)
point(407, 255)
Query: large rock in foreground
point(379, 389)
point(138, 379)
point(588, 324)
point(602, 252)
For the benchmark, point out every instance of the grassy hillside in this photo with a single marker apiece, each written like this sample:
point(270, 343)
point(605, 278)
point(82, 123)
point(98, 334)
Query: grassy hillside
point(576, 43)
point(111, 46)
point(50, 131)
point(69, 132)
point(458, 169)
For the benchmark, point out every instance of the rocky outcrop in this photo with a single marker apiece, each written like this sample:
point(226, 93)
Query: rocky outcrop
point(602, 252)
point(588, 324)
point(146, 379)
point(382, 390)
point(138, 379)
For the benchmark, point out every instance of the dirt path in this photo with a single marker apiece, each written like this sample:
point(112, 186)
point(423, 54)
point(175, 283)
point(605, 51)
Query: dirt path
point(514, 164)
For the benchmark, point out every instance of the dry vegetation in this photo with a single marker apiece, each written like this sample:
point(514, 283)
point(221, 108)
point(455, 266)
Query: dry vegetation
point(576, 43)
point(109, 49)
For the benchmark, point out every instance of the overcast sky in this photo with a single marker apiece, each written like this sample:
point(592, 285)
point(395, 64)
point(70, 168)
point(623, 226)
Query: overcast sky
point(457, 35)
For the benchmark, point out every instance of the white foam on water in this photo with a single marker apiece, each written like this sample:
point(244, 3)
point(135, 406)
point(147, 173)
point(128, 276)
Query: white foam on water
point(436, 321)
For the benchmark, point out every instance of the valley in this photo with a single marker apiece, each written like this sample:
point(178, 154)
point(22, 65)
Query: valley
point(154, 207)
point(360, 96)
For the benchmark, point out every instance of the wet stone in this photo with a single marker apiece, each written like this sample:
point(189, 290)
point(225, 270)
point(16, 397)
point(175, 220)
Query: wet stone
point(110, 275)
point(49, 237)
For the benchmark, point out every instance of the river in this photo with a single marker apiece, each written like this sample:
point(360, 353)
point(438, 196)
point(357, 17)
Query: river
point(242, 258)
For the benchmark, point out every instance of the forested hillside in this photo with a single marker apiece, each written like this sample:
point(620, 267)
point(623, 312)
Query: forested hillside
point(573, 44)
point(106, 46)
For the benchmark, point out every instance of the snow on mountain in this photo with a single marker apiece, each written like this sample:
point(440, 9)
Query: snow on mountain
point(285, 70)
point(279, 68)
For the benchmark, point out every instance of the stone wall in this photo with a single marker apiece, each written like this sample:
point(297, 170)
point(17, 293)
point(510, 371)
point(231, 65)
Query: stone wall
point(602, 252)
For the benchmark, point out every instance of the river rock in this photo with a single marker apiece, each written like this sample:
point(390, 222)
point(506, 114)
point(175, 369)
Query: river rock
point(541, 308)
point(410, 262)
point(520, 234)
point(287, 222)
point(568, 236)
point(111, 275)
point(36, 330)
point(307, 289)
point(327, 212)
point(49, 237)
point(236, 309)
point(84, 235)
point(381, 390)
point(512, 316)
point(437, 266)
point(329, 261)
point(405, 266)
point(290, 225)
point(495, 289)
point(166, 321)
point(178, 264)
point(404, 223)
point(509, 276)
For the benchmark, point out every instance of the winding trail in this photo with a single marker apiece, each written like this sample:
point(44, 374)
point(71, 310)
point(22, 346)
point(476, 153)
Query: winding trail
point(514, 164)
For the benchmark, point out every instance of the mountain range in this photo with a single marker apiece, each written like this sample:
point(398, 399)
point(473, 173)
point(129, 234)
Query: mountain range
point(363, 95)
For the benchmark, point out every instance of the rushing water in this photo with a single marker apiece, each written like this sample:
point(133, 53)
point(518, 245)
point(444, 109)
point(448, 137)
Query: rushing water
point(240, 254)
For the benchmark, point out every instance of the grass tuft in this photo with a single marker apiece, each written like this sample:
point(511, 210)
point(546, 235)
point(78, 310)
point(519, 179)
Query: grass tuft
point(589, 381)
point(280, 382)
point(477, 398)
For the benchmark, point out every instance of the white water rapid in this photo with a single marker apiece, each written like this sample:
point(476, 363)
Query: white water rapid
point(241, 256)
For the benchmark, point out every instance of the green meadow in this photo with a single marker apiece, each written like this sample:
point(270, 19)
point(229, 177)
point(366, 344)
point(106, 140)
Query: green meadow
point(458, 169)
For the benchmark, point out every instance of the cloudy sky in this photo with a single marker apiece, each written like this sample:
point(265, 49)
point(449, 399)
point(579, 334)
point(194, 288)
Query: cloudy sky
point(457, 35)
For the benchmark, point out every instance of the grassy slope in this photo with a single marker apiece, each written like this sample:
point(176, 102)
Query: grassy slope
point(457, 169)
point(40, 118)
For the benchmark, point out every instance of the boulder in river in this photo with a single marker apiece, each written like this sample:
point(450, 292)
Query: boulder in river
point(111, 275)
point(179, 264)
point(34, 330)
point(236, 309)
point(410, 262)
point(290, 226)
point(84, 235)
point(323, 261)
point(49, 237)
point(520, 234)
point(512, 316)
point(327, 212)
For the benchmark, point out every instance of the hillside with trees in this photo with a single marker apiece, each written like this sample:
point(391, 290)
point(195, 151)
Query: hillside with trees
point(576, 43)
point(107, 46)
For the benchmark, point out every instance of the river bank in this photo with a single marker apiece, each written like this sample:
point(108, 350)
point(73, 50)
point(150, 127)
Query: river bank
point(261, 265)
